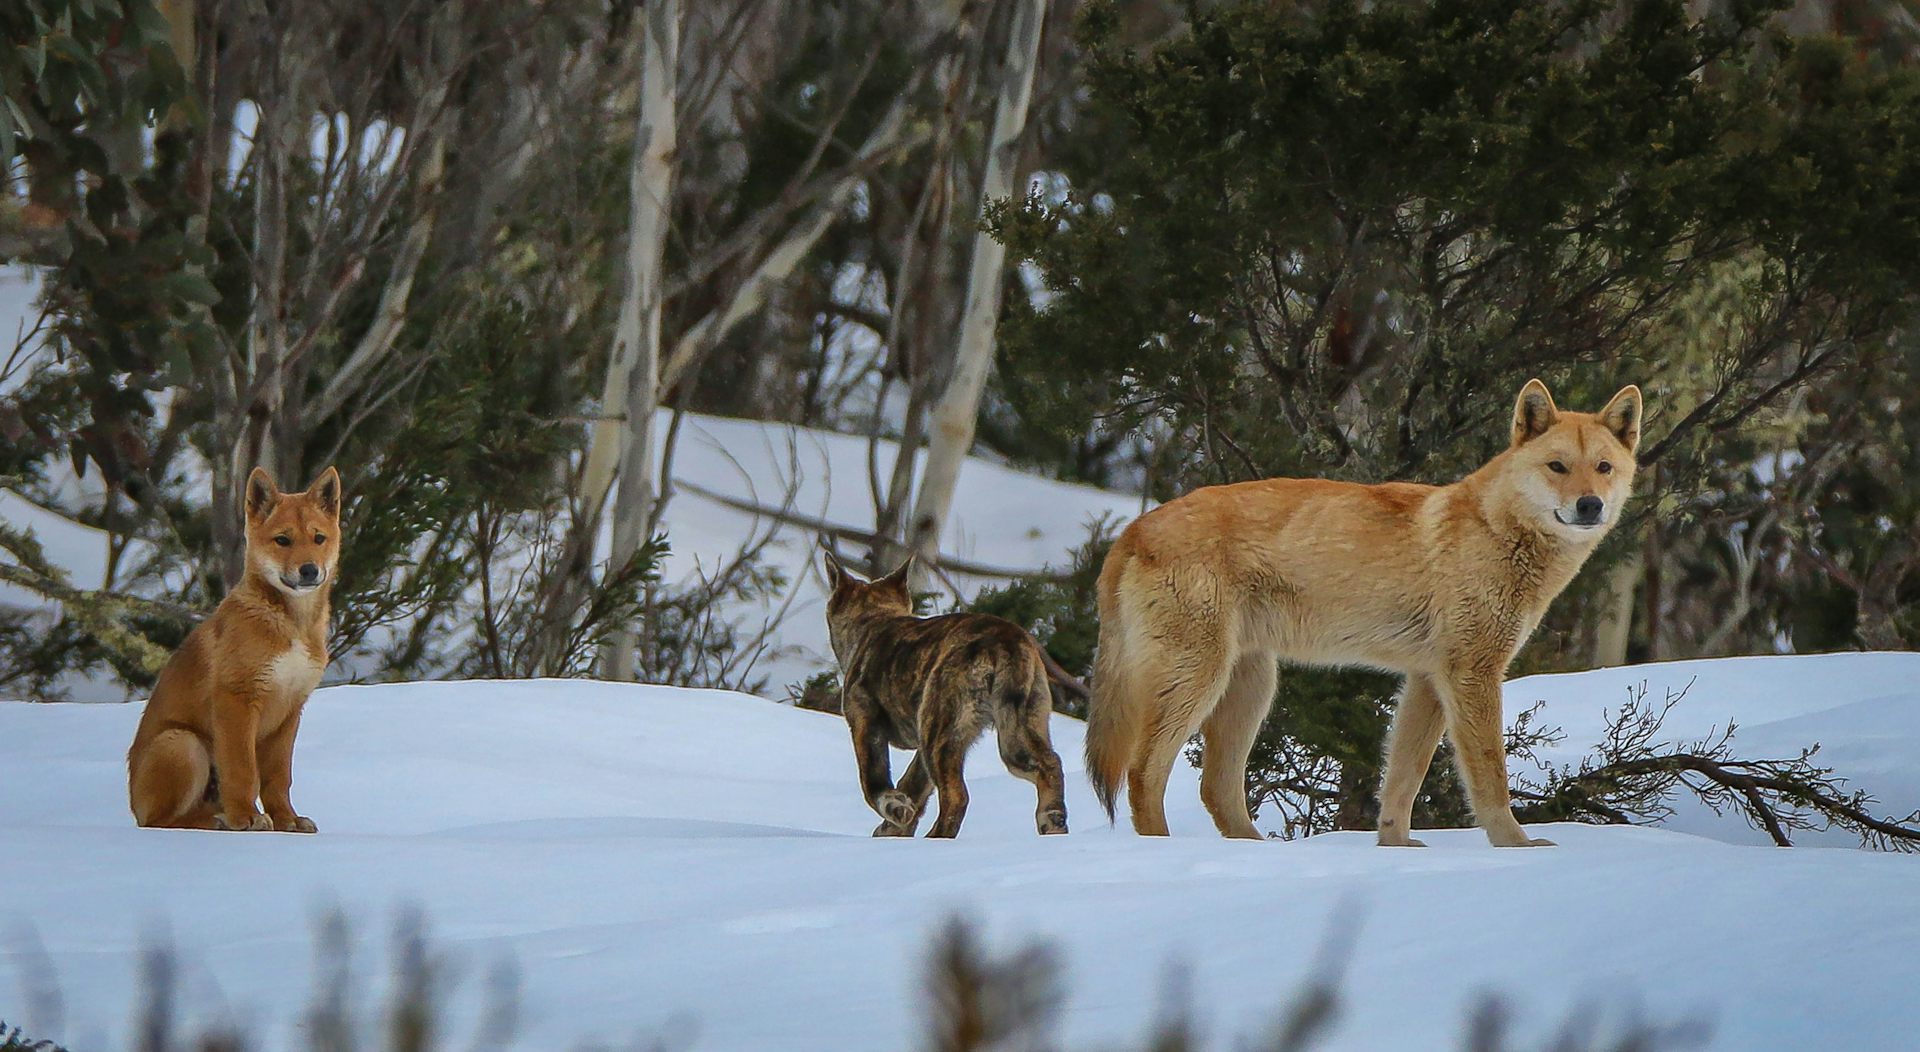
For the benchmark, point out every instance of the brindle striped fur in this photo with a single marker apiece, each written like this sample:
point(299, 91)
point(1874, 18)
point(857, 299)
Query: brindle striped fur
point(935, 684)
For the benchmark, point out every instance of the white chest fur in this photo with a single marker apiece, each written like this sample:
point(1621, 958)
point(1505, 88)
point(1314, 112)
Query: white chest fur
point(297, 670)
point(290, 678)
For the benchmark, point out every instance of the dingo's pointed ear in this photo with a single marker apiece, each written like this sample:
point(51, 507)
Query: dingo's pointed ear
point(1622, 416)
point(837, 575)
point(1533, 412)
point(898, 578)
point(260, 495)
point(325, 492)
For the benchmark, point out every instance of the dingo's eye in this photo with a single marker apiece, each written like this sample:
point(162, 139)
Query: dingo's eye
point(283, 541)
point(1556, 467)
point(1603, 468)
point(319, 538)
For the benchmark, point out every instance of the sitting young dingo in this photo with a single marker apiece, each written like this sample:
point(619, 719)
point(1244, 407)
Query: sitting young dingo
point(1201, 597)
point(218, 734)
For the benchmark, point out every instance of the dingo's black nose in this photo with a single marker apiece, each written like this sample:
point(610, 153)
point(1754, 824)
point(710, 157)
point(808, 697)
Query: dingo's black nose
point(1586, 510)
point(310, 573)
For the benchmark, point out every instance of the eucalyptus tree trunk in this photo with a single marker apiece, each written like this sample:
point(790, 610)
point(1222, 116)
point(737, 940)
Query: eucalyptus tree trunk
point(244, 421)
point(640, 368)
point(952, 421)
point(921, 301)
point(1614, 631)
point(633, 370)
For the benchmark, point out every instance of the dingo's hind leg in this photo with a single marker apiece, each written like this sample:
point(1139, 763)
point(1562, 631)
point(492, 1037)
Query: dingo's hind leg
point(917, 786)
point(1182, 697)
point(1417, 723)
point(1026, 746)
point(168, 782)
point(1227, 735)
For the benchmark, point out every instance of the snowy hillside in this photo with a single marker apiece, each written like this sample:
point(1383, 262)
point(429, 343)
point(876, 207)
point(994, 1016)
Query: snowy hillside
point(663, 859)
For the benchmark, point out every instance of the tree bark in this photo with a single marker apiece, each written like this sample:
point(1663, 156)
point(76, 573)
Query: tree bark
point(1878, 599)
point(954, 416)
point(247, 422)
point(922, 292)
point(778, 263)
point(606, 445)
point(886, 553)
point(633, 372)
point(1615, 630)
point(1652, 585)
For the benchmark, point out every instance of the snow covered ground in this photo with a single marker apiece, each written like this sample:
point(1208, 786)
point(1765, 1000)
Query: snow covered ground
point(697, 863)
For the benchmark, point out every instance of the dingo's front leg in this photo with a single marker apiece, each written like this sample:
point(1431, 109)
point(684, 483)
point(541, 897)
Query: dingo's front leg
point(1472, 706)
point(236, 725)
point(897, 813)
point(917, 786)
point(946, 762)
point(276, 778)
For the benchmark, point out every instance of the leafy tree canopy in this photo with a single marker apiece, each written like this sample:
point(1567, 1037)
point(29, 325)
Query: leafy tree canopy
point(1334, 238)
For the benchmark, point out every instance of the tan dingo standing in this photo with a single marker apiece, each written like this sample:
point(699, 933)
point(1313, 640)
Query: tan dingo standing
point(218, 734)
point(1203, 596)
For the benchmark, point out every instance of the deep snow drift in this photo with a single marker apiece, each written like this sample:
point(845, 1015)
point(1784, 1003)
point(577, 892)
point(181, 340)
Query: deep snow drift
point(697, 863)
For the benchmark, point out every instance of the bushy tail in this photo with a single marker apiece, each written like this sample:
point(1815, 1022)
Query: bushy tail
point(1114, 712)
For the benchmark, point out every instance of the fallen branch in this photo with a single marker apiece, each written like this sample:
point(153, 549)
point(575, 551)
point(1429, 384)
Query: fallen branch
point(791, 517)
point(1636, 775)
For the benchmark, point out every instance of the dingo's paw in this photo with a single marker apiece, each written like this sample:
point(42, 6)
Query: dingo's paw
point(1515, 837)
point(295, 824)
point(243, 823)
point(894, 806)
point(1393, 832)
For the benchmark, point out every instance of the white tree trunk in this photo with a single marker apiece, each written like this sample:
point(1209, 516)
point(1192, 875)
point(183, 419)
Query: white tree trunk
point(633, 371)
point(950, 434)
point(258, 388)
point(776, 264)
point(1611, 635)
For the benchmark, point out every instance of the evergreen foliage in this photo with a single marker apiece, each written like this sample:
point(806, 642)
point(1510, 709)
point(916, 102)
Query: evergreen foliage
point(13, 1040)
